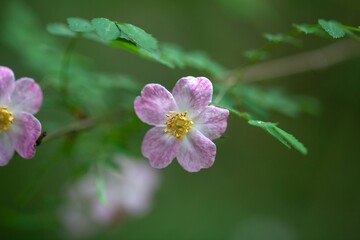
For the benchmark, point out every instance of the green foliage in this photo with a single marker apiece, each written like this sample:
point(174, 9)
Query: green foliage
point(137, 41)
point(255, 54)
point(282, 38)
point(195, 59)
point(285, 138)
point(306, 28)
point(105, 28)
point(79, 25)
point(60, 29)
point(262, 101)
point(138, 36)
point(334, 29)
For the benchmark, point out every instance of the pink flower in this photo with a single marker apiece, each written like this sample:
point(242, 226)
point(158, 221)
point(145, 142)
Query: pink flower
point(19, 129)
point(129, 191)
point(184, 123)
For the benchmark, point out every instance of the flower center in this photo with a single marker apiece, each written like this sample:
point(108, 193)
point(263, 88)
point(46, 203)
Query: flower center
point(6, 119)
point(177, 124)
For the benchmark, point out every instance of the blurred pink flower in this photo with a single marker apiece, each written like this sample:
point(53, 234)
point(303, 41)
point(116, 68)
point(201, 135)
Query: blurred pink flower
point(129, 191)
point(184, 123)
point(19, 129)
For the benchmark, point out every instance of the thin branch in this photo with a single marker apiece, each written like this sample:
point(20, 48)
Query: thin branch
point(81, 125)
point(71, 128)
point(303, 62)
point(298, 63)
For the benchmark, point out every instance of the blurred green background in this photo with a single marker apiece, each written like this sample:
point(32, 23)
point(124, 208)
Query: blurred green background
point(257, 189)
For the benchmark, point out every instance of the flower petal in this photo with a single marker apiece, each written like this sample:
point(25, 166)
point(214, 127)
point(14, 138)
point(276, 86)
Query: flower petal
point(153, 104)
point(6, 149)
point(159, 148)
point(193, 94)
point(24, 132)
point(196, 152)
point(27, 96)
point(7, 85)
point(212, 122)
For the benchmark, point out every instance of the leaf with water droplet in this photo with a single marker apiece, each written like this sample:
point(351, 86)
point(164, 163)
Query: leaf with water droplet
point(105, 28)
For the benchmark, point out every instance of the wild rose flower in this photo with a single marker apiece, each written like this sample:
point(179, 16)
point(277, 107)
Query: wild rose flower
point(184, 123)
point(19, 129)
point(129, 191)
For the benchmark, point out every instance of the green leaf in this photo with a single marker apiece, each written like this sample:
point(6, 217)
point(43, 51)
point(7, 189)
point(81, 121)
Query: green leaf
point(333, 28)
point(79, 24)
point(138, 36)
point(305, 28)
point(155, 56)
point(60, 29)
point(106, 29)
point(285, 138)
point(201, 61)
point(280, 37)
point(196, 59)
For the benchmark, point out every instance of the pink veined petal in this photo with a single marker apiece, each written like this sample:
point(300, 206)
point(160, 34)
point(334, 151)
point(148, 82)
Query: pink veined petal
point(153, 104)
point(196, 152)
point(27, 96)
point(6, 149)
point(193, 94)
point(212, 122)
point(7, 85)
point(158, 147)
point(23, 133)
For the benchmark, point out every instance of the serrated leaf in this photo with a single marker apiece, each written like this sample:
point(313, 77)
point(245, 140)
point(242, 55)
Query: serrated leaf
point(292, 140)
point(155, 56)
point(79, 24)
point(60, 29)
point(138, 36)
point(307, 29)
point(285, 138)
point(105, 28)
point(333, 28)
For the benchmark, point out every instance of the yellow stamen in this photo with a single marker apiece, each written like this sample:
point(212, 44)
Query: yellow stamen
point(177, 124)
point(6, 119)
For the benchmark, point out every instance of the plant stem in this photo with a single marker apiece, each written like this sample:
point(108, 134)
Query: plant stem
point(64, 72)
point(298, 63)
